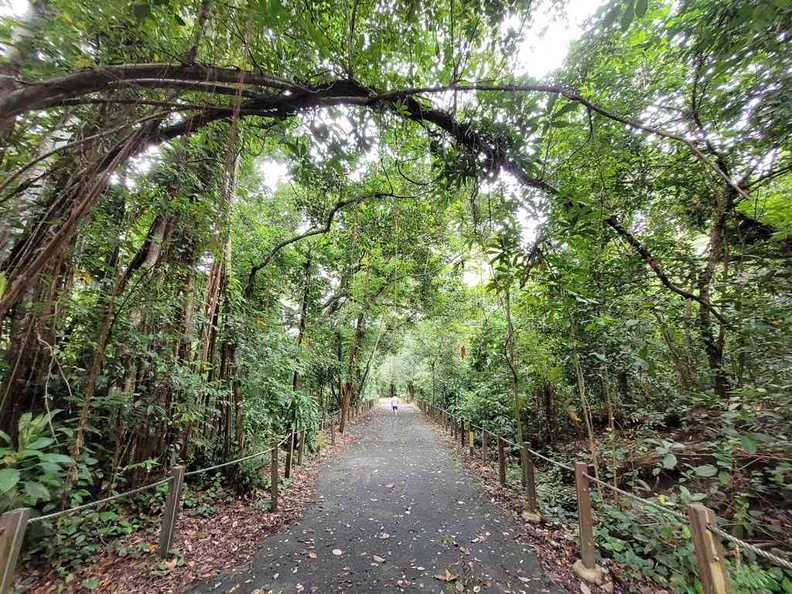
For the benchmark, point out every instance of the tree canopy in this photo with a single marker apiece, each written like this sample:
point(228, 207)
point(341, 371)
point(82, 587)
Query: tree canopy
point(220, 220)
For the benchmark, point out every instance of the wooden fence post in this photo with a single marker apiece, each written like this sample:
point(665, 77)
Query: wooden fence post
point(274, 476)
point(484, 440)
point(528, 478)
point(472, 442)
point(171, 514)
point(301, 448)
point(585, 524)
point(710, 558)
point(332, 431)
point(501, 461)
point(287, 467)
point(12, 532)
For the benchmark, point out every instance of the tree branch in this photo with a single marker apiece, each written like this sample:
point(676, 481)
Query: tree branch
point(341, 204)
point(613, 223)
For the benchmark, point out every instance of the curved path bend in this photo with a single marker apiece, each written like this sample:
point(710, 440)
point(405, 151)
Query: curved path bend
point(400, 510)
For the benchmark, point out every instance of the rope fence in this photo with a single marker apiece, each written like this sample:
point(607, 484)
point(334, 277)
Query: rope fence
point(710, 557)
point(237, 461)
point(98, 503)
point(13, 524)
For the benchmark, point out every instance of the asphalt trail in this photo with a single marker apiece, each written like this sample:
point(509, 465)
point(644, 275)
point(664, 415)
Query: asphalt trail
point(398, 495)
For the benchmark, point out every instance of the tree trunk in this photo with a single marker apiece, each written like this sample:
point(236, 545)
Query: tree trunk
point(347, 392)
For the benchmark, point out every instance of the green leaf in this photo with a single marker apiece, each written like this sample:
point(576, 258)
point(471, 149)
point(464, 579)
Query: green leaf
point(640, 7)
point(9, 477)
point(36, 490)
point(90, 583)
point(141, 11)
point(669, 461)
point(40, 443)
point(706, 470)
point(56, 458)
point(571, 106)
point(748, 443)
point(628, 16)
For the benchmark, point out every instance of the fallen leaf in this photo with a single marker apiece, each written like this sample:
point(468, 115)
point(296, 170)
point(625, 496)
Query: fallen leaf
point(378, 559)
point(584, 588)
point(447, 577)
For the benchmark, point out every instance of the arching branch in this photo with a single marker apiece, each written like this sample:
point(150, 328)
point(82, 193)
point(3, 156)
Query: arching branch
point(613, 223)
point(341, 204)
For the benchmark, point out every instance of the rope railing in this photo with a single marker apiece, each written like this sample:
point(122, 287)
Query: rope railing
point(748, 546)
point(13, 524)
point(647, 502)
point(97, 503)
point(237, 461)
point(709, 556)
point(137, 490)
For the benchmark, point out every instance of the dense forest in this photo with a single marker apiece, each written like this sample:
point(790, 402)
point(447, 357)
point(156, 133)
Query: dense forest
point(220, 220)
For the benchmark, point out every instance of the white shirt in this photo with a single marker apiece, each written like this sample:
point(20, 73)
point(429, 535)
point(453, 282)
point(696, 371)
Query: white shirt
point(395, 401)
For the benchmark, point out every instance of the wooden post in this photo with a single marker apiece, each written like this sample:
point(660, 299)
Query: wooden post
point(301, 448)
point(710, 558)
point(501, 461)
point(584, 516)
point(12, 532)
point(471, 442)
point(287, 468)
point(463, 434)
point(274, 476)
point(332, 431)
point(171, 514)
point(528, 478)
point(484, 444)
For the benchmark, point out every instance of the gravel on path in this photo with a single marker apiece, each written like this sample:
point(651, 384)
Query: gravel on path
point(395, 513)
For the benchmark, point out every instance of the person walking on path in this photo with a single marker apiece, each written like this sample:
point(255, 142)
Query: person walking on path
point(395, 405)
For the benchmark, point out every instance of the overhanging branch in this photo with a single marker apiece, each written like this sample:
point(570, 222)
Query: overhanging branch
point(613, 223)
point(341, 204)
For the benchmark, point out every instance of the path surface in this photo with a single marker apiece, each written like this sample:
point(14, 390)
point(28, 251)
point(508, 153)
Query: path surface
point(396, 494)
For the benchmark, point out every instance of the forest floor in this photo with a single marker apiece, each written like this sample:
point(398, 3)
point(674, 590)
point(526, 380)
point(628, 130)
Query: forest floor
point(206, 544)
point(396, 513)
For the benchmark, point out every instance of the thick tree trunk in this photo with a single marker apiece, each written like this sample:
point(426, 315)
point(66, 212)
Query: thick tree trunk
point(713, 345)
point(348, 389)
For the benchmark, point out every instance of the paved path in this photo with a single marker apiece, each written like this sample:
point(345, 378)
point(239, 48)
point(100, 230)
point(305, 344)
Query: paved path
point(396, 494)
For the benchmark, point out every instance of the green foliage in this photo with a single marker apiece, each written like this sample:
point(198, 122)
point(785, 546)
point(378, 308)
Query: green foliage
point(33, 472)
point(488, 264)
